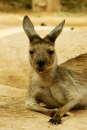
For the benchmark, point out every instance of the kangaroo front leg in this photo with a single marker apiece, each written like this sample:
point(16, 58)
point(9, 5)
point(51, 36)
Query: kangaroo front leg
point(33, 104)
point(59, 114)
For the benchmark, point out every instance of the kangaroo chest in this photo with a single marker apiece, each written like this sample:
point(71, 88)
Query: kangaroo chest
point(44, 95)
point(47, 91)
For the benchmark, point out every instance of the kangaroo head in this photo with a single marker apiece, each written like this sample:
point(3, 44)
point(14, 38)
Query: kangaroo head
point(41, 52)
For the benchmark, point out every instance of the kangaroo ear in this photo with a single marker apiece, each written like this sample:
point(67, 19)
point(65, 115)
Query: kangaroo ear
point(55, 33)
point(29, 28)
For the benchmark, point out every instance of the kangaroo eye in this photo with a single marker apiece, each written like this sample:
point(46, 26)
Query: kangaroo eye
point(31, 52)
point(50, 51)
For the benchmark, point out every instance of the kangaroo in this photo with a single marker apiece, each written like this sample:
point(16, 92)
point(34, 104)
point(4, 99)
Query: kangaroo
point(57, 86)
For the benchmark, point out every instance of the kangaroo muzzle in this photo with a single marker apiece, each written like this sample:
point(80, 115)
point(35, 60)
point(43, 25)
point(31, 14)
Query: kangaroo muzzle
point(40, 65)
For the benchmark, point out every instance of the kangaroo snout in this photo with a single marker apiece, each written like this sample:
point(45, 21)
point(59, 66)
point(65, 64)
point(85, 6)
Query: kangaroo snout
point(40, 65)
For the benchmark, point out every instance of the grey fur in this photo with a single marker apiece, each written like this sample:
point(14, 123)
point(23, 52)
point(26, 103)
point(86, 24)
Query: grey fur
point(60, 88)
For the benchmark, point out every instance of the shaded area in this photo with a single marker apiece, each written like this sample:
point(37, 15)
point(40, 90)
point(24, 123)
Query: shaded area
point(74, 5)
point(44, 5)
point(9, 5)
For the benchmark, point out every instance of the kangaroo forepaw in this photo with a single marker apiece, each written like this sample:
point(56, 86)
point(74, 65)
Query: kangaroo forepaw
point(55, 121)
point(52, 112)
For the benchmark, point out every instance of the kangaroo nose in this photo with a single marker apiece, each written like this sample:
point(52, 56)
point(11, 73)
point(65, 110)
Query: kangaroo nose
point(40, 63)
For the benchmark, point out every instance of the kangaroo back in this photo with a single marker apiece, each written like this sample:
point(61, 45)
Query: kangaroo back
point(77, 64)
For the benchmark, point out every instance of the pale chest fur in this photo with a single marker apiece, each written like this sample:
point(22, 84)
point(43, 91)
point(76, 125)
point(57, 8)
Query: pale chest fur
point(42, 91)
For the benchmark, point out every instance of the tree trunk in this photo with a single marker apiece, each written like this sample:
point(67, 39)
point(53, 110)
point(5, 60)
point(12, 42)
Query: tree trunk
point(46, 5)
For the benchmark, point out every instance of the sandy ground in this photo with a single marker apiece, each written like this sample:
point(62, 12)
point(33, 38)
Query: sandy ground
point(14, 76)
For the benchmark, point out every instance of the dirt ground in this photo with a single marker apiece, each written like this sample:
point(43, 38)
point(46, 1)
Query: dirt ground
point(14, 71)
